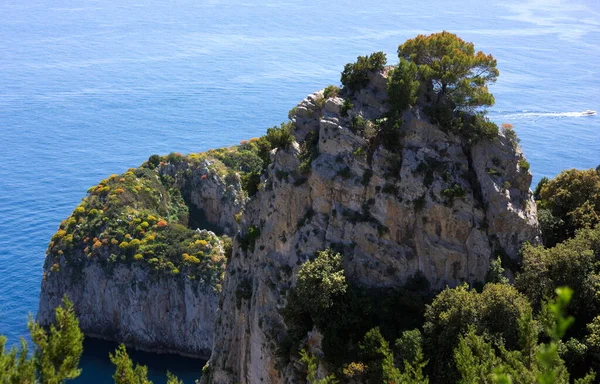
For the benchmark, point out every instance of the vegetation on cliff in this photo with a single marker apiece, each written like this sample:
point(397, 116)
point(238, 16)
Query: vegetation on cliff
point(144, 215)
point(569, 201)
point(139, 217)
point(56, 355)
point(492, 331)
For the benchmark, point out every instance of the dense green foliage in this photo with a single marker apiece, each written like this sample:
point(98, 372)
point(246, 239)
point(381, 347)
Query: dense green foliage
point(569, 202)
point(443, 73)
point(356, 75)
point(128, 373)
point(452, 79)
point(450, 68)
point(495, 312)
point(139, 217)
point(403, 85)
point(480, 359)
point(144, 216)
point(55, 358)
point(503, 333)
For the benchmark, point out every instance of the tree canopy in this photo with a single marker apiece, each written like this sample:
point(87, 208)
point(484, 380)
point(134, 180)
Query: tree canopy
point(450, 67)
point(569, 202)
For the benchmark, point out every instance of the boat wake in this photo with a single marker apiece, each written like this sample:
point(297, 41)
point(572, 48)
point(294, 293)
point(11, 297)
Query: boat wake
point(530, 114)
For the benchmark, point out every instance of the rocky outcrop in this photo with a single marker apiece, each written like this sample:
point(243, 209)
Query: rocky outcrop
point(155, 312)
point(429, 204)
point(421, 200)
point(217, 198)
point(133, 263)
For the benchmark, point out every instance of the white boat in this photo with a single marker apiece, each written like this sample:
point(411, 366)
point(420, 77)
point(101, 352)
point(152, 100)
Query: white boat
point(588, 112)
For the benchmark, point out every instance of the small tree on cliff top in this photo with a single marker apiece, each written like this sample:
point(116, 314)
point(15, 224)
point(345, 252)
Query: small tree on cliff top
point(450, 67)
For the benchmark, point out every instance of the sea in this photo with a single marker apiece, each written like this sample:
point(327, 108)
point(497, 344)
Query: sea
point(90, 88)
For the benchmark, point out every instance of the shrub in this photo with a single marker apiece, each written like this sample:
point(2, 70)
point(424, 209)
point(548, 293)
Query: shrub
point(292, 113)
point(573, 200)
point(355, 75)
point(510, 134)
point(175, 158)
point(496, 312)
point(309, 150)
point(403, 86)
point(247, 241)
point(153, 161)
point(524, 165)
point(346, 106)
point(455, 191)
point(359, 125)
point(280, 137)
point(320, 280)
point(331, 91)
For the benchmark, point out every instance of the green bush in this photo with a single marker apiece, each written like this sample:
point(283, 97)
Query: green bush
point(496, 312)
point(248, 240)
point(355, 75)
point(280, 137)
point(510, 134)
point(455, 191)
point(573, 201)
point(330, 91)
point(403, 86)
point(346, 106)
point(153, 161)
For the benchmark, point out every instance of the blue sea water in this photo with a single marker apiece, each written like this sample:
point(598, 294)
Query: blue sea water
point(93, 87)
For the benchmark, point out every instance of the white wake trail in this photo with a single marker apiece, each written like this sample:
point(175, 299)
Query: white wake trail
point(528, 114)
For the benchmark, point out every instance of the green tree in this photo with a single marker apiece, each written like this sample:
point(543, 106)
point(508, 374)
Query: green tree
point(320, 280)
point(403, 85)
point(452, 69)
point(15, 366)
point(126, 372)
point(375, 352)
point(410, 347)
point(495, 312)
point(573, 199)
point(172, 379)
point(572, 263)
point(495, 272)
point(356, 75)
point(58, 350)
point(480, 361)
point(311, 367)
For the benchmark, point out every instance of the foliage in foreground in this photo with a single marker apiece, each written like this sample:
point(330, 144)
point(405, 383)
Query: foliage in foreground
point(57, 352)
point(568, 202)
point(128, 373)
point(55, 358)
point(500, 334)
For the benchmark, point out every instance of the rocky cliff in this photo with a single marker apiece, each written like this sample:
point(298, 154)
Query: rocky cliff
point(395, 196)
point(133, 263)
point(426, 202)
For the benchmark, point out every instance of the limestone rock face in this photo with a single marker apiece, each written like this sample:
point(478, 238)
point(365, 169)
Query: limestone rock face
point(217, 198)
point(153, 312)
point(431, 205)
point(159, 310)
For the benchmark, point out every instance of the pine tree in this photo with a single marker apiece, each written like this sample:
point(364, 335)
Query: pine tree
point(59, 349)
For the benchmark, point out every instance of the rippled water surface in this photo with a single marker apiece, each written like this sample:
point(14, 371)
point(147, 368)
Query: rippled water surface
point(90, 88)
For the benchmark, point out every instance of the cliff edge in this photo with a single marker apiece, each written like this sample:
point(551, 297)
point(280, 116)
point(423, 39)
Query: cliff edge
point(426, 202)
point(134, 263)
